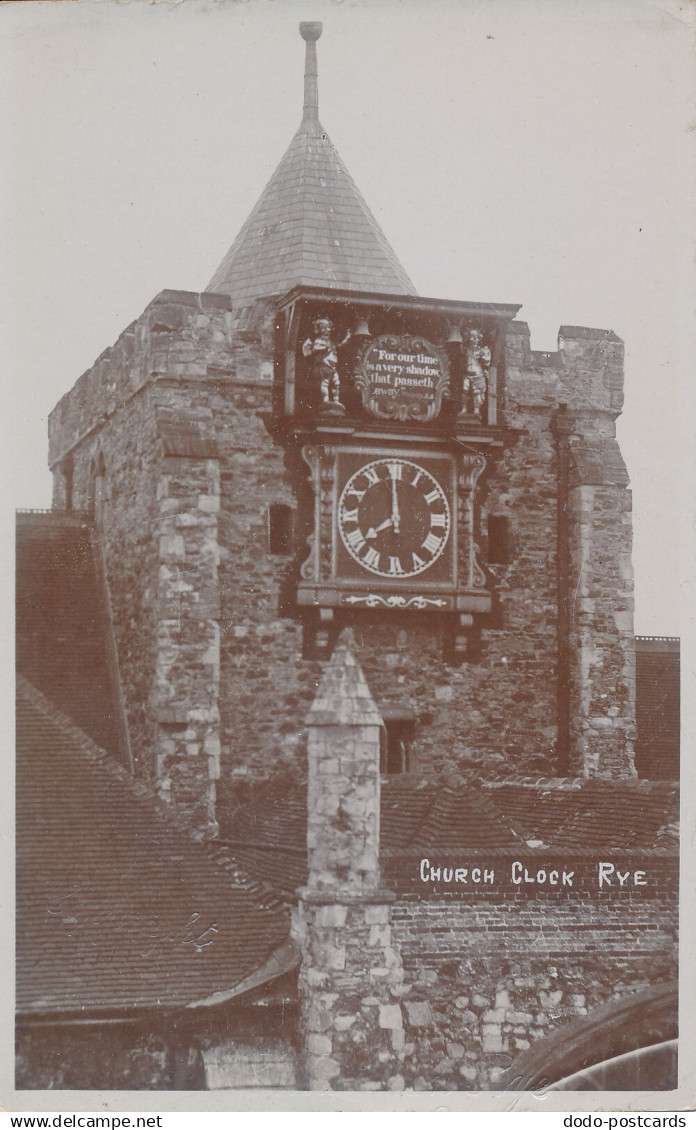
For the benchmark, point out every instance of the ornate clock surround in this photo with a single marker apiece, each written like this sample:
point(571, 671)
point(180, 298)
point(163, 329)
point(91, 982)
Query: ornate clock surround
point(375, 400)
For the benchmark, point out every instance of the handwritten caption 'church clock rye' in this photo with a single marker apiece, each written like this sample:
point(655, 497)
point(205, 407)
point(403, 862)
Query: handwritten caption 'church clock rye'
point(519, 874)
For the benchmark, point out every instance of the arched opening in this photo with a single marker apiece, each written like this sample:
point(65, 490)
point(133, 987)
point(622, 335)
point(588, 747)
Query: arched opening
point(395, 740)
point(626, 1045)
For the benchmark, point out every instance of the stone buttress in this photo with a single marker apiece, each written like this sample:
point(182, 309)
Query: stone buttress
point(351, 978)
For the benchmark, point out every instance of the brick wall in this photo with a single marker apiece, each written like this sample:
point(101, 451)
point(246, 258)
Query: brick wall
point(489, 973)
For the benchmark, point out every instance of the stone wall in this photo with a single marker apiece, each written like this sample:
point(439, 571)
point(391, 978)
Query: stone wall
point(166, 439)
point(576, 396)
point(498, 714)
point(135, 443)
point(107, 423)
point(351, 976)
point(442, 977)
point(488, 975)
point(467, 717)
point(187, 660)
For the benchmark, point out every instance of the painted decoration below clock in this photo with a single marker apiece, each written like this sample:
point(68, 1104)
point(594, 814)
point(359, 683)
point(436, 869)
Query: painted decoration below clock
point(401, 378)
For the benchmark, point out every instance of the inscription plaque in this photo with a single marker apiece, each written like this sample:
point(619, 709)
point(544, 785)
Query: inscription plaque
point(401, 378)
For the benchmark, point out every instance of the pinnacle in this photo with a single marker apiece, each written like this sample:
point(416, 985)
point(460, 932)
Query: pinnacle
point(310, 226)
point(343, 697)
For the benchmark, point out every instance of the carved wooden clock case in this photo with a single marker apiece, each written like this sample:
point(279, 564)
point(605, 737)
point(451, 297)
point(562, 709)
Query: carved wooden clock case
point(388, 413)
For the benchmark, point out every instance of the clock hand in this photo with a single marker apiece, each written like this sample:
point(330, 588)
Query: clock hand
point(395, 507)
point(372, 532)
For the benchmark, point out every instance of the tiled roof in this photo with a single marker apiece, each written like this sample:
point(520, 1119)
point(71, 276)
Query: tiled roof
point(431, 816)
point(117, 908)
point(267, 832)
point(589, 814)
point(310, 226)
point(62, 626)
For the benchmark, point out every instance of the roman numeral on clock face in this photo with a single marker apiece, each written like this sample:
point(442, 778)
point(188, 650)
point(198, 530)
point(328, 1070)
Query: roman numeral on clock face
point(349, 515)
point(432, 497)
point(371, 475)
point(432, 543)
point(395, 470)
point(355, 539)
point(437, 520)
point(395, 565)
point(371, 558)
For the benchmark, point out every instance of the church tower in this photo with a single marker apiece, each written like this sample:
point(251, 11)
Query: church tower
point(367, 586)
point(307, 445)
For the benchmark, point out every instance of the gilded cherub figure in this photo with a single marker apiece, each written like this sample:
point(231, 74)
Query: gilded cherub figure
point(478, 363)
point(323, 369)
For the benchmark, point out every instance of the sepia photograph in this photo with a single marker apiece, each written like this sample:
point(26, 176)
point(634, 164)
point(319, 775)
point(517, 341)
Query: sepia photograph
point(350, 347)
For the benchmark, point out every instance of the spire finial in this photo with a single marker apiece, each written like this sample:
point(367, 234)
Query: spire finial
point(310, 32)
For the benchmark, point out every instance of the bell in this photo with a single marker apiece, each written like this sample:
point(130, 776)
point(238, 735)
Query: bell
point(455, 335)
point(361, 329)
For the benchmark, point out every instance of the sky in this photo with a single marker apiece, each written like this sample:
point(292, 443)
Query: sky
point(535, 153)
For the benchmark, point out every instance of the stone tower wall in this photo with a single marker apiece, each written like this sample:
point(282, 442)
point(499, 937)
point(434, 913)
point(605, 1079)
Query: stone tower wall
point(147, 415)
point(110, 415)
point(176, 412)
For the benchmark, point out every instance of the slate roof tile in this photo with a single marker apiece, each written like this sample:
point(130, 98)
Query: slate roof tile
point(117, 908)
point(310, 202)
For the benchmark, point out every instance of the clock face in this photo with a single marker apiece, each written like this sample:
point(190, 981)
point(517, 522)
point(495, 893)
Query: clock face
point(394, 518)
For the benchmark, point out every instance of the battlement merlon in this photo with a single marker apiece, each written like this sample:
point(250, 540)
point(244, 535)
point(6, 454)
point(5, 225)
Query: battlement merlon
point(181, 335)
point(191, 336)
point(586, 373)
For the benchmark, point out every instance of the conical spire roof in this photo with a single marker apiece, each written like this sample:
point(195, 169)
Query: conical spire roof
point(311, 225)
